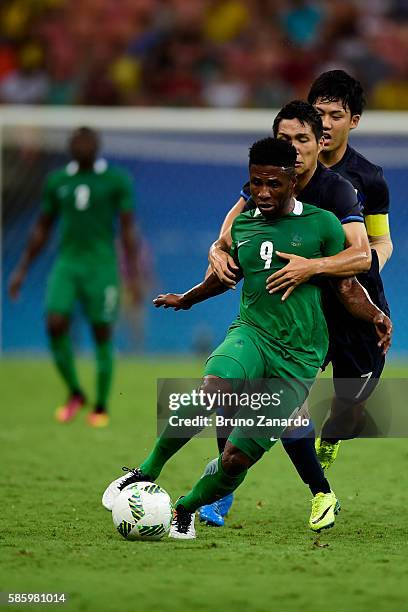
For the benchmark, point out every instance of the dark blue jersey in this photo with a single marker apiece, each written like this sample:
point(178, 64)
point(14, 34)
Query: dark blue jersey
point(367, 179)
point(373, 195)
point(328, 190)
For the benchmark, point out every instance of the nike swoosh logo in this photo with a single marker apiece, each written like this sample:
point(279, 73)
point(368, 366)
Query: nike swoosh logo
point(242, 242)
point(322, 516)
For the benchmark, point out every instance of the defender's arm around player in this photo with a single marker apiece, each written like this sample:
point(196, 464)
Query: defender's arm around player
point(258, 344)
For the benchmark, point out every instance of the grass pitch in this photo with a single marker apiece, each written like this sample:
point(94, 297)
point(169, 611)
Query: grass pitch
point(56, 537)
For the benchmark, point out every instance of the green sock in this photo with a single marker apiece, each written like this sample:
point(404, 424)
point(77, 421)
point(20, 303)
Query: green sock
point(167, 445)
point(104, 372)
point(61, 348)
point(163, 450)
point(213, 484)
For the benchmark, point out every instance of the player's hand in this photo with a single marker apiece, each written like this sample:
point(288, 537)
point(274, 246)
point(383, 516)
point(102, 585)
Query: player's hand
point(171, 300)
point(297, 271)
point(223, 266)
point(383, 327)
point(16, 281)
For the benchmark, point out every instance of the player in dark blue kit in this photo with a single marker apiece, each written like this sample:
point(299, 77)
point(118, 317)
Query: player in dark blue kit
point(357, 361)
point(300, 124)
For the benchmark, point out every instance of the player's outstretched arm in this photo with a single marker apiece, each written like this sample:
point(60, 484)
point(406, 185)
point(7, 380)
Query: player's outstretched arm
point(357, 301)
point(221, 263)
point(354, 259)
point(36, 242)
point(210, 287)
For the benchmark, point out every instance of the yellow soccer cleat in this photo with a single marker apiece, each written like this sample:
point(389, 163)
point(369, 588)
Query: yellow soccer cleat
point(98, 419)
point(325, 506)
point(326, 452)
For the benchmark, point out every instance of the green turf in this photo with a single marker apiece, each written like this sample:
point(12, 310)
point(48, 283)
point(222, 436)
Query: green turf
point(56, 536)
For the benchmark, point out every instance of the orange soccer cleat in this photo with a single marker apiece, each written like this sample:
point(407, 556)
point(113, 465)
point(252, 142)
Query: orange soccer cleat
point(98, 419)
point(66, 413)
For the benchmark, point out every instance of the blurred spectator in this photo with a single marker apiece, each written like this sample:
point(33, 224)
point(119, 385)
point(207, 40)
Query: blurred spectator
point(8, 60)
point(392, 94)
point(225, 20)
point(28, 83)
point(230, 88)
point(173, 70)
point(220, 53)
point(125, 73)
point(301, 21)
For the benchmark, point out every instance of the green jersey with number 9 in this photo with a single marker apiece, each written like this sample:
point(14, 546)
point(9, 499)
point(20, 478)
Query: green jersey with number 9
point(87, 203)
point(296, 325)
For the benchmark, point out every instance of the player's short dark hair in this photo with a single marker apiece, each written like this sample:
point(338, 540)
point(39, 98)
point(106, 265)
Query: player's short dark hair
point(272, 152)
point(338, 85)
point(303, 112)
point(84, 130)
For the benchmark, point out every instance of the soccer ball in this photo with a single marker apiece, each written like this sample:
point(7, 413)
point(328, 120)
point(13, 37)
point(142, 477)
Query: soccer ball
point(142, 511)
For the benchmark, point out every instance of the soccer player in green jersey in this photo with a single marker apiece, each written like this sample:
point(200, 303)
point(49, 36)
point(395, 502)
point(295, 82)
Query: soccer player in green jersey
point(87, 196)
point(282, 342)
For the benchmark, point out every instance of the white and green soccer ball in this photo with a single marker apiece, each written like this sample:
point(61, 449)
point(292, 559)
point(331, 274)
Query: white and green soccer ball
point(142, 511)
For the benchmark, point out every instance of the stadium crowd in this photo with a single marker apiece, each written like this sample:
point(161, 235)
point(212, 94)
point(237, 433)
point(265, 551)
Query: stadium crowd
point(214, 53)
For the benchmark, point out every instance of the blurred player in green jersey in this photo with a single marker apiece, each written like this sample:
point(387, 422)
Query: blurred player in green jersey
point(87, 195)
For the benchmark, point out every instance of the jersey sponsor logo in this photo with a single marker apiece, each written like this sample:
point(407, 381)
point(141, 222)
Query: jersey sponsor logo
point(241, 242)
point(296, 240)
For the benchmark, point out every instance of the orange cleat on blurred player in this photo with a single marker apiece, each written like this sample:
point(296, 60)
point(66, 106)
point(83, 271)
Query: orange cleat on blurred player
point(65, 414)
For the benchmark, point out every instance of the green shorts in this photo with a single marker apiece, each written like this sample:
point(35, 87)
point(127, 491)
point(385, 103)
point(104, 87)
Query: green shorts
point(95, 287)
point(246, 355)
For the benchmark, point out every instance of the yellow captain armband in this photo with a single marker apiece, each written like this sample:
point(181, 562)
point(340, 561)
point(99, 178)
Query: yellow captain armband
point(377, 225)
